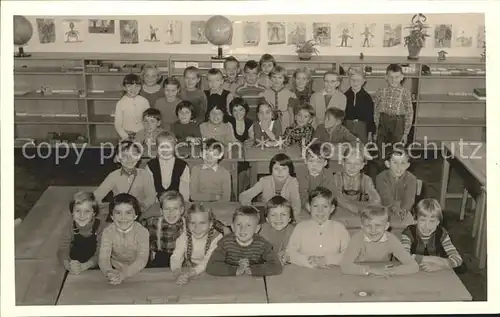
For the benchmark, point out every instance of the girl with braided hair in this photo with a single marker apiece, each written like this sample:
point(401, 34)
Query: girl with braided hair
point(196, 244)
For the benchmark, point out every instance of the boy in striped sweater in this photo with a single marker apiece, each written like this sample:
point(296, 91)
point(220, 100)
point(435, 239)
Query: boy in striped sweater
point(244, 252)
point(428, 242)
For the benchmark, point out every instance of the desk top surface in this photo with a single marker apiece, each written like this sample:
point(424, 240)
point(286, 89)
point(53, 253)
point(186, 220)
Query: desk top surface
point(298, 284)
point(157, 286)
point(472, 155)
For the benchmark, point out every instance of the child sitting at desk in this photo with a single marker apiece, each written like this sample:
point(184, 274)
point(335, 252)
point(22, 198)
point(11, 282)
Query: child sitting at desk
point(318, 242)
point(250, 90)
point(169, 172)
point(314, 173)
point(186, 129)
point(330, 97)
point(302, 85)
point(125, 243)
point(429, 242)
point(216, 128)
point(217, 95)
point(79, 246)
point(130, 107)
point(282, 182)
point(128, 179)
point(278, 227)
point(333, 131)
point(193, 93)
point(231, 72)
point(301, 132)
point(267, 130)
point(169, 101)
point(353, 189)
point(244, 252)
point(375, 244)
point(397, 186)
point(151, 121)
point(210, 181)
point(196, 244)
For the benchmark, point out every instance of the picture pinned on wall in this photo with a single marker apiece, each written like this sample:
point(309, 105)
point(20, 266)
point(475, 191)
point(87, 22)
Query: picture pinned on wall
point(463, 38)
point(368, 35)
point(442, 35)
point(251, 33)
point(481, 37)
point(129, 33)
point(392, 35)
point(173, 32)
point(345, 34)
point(322, 33)
point(296, 33)
point(72, 31)
point(98, 26)
point(275, 33)
point(152, 34)
point(198, 32)
point(46, 30)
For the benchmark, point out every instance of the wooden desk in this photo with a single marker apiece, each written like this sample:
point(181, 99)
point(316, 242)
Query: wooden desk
point(304, 285)
point(157, 286)
point(472, 157)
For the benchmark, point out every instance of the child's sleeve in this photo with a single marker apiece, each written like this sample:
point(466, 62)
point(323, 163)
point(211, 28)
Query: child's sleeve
point(119, 120)
point(105, 187)
point(350, 138)
point(203, 106)
point(229, 98)
point(226, 190)
point(376, 108)
point(194, 186)
point(202, 266)
point(105, 251)
point(343, 242)
point(249, 194)
point(149, 189)
point(406, 242)
point(185, 183)
point(369, 115)
point(308, 136)
point(293, 247)
point(177, 257)
point(295, 198)
point(410, 192)
point(408, 263)
point(320, 134)
point(251, 135)
point(407, 104)
point(347, 264)
point(142, 252)
point(374, 197)
point(278, 129)
point(217, 265)
point(287, 138)
point(271, 264)
point(454, 258)
point(94, 260)
point(64, 246)
point(384, 189)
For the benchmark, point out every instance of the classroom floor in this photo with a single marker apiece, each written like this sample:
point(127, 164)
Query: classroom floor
point(32, 177)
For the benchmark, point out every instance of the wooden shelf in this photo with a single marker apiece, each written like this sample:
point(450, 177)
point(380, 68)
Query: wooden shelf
point(45, 71)
point(441, 98)
point(101, 119)
point(118, 73)
point(450, 122)
point(44, 120)
point(453, 76)
point(107, 95)
point(39, 96)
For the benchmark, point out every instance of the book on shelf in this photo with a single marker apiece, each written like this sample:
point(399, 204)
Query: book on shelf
point(479, 93)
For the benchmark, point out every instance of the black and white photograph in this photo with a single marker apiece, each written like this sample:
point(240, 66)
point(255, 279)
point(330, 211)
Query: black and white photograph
point(341, 159)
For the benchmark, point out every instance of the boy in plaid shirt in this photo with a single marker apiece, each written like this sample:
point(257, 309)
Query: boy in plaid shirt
point(393, 113)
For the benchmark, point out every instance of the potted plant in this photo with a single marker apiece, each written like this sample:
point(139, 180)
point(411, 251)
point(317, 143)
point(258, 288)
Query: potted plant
point(416, 39)
point(305, 49)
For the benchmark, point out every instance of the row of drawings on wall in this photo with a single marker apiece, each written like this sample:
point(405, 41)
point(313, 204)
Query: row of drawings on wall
point(278, 33)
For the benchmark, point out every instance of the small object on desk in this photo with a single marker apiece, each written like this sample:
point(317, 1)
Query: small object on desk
point(45, 90)
point(363, 294)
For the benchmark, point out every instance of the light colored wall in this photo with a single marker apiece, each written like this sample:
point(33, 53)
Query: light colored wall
point(469, 23)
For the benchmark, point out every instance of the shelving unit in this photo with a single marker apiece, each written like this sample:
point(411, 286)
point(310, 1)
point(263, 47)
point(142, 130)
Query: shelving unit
point(439, 116)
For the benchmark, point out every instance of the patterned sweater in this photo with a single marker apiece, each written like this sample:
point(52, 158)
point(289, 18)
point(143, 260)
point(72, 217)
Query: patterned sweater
point(296, 135)
point(394, 101)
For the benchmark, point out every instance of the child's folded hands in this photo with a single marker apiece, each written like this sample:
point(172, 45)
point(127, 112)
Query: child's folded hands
point(243, 268)
point(115, 277)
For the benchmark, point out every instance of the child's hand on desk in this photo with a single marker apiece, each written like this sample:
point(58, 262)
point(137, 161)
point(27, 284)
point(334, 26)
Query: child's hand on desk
point(385, 272)
point(184, 277)
point(115, 277)
point(283, 257)
point(75, 267)
point(434, 263)
point(430, 266)
point(243, 268)
point(317, 261)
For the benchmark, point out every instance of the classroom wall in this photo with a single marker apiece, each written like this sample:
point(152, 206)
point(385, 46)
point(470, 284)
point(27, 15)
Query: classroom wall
point(470, 25)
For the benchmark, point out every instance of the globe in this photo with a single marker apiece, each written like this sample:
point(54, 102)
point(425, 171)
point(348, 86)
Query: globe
point(219, 31)
point(23, 31)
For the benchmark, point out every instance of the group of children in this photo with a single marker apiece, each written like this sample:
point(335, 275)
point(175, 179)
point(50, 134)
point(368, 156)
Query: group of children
point(297, 225)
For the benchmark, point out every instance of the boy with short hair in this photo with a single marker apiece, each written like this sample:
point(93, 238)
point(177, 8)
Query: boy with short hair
point(397, 186)
point(333, 131)
point(151, 121)
point(429, 242)
point(250, 90)
point(314, 173)
point(232, 70)
point(375, 244)
point(244, 252)
point(217, 95)
point(278, 227)
point(210, 181)
point(168, 171)
point(393, 112)
point(128, 178)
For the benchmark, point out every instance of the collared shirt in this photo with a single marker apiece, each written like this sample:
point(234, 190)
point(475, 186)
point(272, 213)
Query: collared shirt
point(394, 102)
point(213, 167)
point(128, 114)
point(209, 182)
point(132, 172)
point(383, 239)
